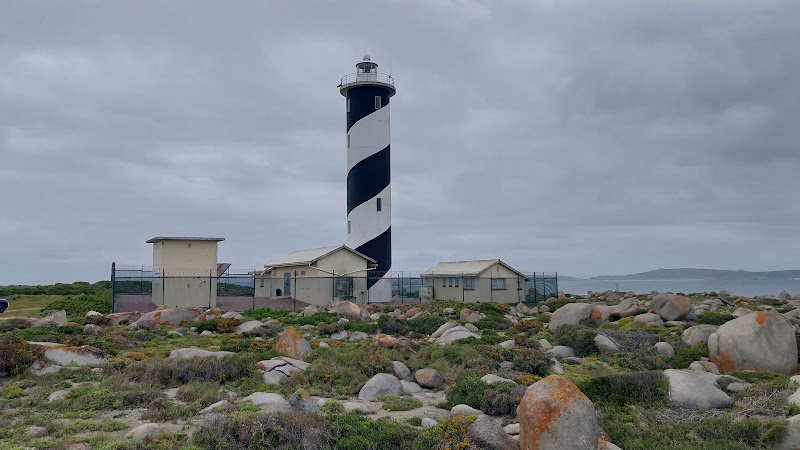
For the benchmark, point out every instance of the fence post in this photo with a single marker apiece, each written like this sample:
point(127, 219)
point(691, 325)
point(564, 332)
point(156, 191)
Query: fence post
point(254, 289)
point(402, 288)
point(163, 281)
point(113, 280)
point(210, 288)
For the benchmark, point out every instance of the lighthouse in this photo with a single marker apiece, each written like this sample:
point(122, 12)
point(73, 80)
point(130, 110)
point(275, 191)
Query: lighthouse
point(369, 188)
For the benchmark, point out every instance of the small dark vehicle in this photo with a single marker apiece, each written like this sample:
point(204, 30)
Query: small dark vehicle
point(3, 305)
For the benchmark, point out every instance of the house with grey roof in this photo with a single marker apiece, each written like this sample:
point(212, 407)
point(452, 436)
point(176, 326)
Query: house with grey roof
point(317, 276)
point(485, 280)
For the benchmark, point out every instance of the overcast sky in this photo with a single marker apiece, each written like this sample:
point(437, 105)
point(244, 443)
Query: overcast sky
point(585, 138)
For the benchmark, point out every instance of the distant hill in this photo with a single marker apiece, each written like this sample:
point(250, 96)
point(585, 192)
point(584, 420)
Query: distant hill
point(704, 274)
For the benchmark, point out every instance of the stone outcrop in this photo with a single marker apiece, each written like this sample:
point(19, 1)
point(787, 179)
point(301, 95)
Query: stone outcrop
point(487, 433)
point(379, 385)
point(570, 314)
point(688, 389)
point(277, 370)
point(555, 414)
point(63, 355)
point(760, 341)
point(671, 307)
point(293, 344)
point(57, 318)
point(698, 333)
point(428, 378)
point(167, 316)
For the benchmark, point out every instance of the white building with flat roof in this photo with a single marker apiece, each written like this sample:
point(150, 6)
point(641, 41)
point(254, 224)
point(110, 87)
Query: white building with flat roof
point(185, 271)
point(485, 280)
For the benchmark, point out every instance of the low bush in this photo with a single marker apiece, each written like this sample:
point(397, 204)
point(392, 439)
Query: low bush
point(16, 354)
point(13, 324)
point(84, 398)
point(426, 324)
point(246, 430)
point(369, 328)
point(555, 304)
point(685, 355)
point(50, 333)
point(177, 372)
point(12, 391)
point(199, 392)
point(631, 340)
point(502, 398)
point(493, 322)
point(77, 306)
point(451, 433)
point(641, 359)
point(163, 410)
point(580, 339)
point(219, 325)
point(390, 325)
point(533, 361)
point(651, 388)
point(395, 403)
point(468, 390)
point(714, 317)
point(356, 432)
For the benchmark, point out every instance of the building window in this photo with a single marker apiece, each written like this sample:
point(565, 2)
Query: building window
point(379, 203)
point(519, 285)
point(302, 273)
point(349, 228)
point(456, 282)
point(262, 281)
point(444, 282)
point(348, 105)
point(498, 283)
point(423, 282)
point(377, 102)
point(469, 283)
point(190, 245)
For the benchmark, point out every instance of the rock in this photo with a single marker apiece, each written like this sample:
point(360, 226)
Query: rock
point(410, 388)
point(472, 328)
point(739, 312)
point(428, 378)
point(339, 335)
point(704, 366)
point(444, 327)
point(324, 345)
point(649, 319)
point(739, 387)
point(464, 410)
point(603, 444)
point(675, 324)
point(144, 431)
point(248, 326)
point(448, 311)
point(665, 349)
point(210, 408)
point(427, 422)
point(544, 344)
point(554, 414)
point(57, 318)
point(309, 310)
point(791, 438)
point(562, 351)
point(454, 334)
point(760, 341)
point(544, 309)
point(521, 307)
point(574, 360)
point(783, 295)
point(172, 316)
point(35, 431)
point(232, 315)
point(266, 399)
point(358, 336)
point(697, 334)
point(302, 401)
point(379, 385)
point(349, 311)
point(401, 370)
point(412, 312)
point(605, 344)
point(63, 355)
point(507, 344)
point(671, 307)
point(293, 344)
point(92, 330)
point(468, 315)
point(58, 395)
point(512, 428)
point(186, 353)
point(178, 332)
point(687, 389)
point(207, 315)
point(207, 333)
point(570, 314)
point(604, 312)
point(492, 378)
point(556, 367)
point(487, 433)
point(278, 369)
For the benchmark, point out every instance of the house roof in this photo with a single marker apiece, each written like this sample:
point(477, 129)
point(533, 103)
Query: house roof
point(304, 257)
point(466, 268)
point(183, 238)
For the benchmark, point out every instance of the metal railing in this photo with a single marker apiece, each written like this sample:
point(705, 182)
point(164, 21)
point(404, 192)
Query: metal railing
point(367, 77)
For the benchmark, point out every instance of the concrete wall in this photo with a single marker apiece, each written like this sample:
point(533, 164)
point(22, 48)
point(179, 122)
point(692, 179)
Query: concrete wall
point(315, 284)
point(452, 288)
point(186, 273)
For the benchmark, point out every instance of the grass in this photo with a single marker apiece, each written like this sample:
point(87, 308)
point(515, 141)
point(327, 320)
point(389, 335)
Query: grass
point(395, 403)
point(24, 305)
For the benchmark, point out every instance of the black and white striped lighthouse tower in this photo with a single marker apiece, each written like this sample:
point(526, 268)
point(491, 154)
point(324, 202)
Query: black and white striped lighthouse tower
point(369, 189)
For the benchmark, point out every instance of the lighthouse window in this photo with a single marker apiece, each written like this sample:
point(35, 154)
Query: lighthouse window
point(379, 203)
point(377, 102)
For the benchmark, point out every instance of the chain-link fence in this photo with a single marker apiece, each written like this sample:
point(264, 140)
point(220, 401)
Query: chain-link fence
point(142, 287)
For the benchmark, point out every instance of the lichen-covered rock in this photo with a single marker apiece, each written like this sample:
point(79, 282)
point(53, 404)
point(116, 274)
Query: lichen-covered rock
point(671, 307)
point(248, 326)
point(554, 414)
point(302, 401)
point(401, 371)
point(64, 354)
point(649, 319)
point(464, 410)
point(57, 318)
point(428, 378)
point(469, 315)
point(293, 344)
point(92, 330)
point(167, 316)
point(570, 314)
point(207, 315)
point(665, 349)
point(761, 341)
point(379, 385)
point(349, 311)
point(606, 344)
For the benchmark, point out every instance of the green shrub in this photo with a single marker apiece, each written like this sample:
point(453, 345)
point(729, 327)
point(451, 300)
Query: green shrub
point(332, 406)
point(746, 431)
point(493, 322)
point(451, 433)
point(426, 324)
point(502, 398)
point(78, 305)
point(533, 361)
point(13, 324)
point(90, 399)
point(492, 308)
point(765, 379)
point(390, 325)
point(16, 354)
point(632, 340)
point(173, 372)
point(650, 388)
point(468, 390)
point(555, 304)
point(12, 391)
point(580, 339)
point(714, 317)
point(314, 319)
point(163, 410)
point(357, 432)
point(248, 429)
point(364, 327)
point(685, 355)
point(395, 403)
point(641, 359)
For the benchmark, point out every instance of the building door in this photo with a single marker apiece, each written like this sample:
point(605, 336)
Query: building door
point(287, 283)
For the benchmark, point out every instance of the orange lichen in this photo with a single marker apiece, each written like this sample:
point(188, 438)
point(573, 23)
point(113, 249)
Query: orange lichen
point(596, 314)
point(538, 413)
point(762, 316)
point(289, 343)
point(685, 304)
